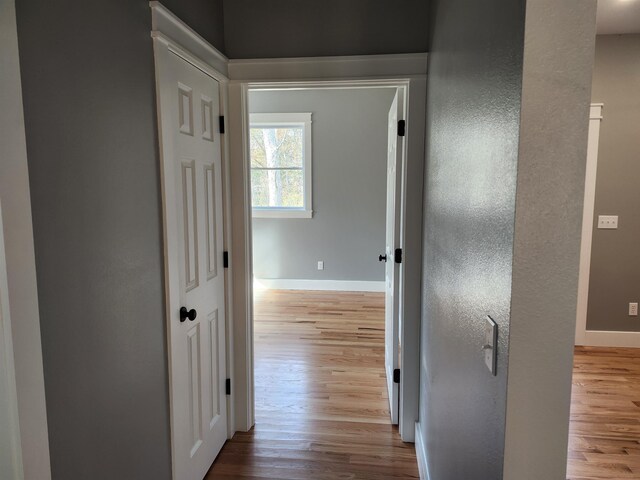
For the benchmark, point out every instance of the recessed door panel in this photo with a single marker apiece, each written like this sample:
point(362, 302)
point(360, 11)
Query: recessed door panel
point(194, 374)
point(210, 190)
point(189, 204)
point(214, 339)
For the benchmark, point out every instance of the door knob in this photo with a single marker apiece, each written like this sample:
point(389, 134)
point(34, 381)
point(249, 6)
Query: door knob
point(382, 258)
point(190, 314)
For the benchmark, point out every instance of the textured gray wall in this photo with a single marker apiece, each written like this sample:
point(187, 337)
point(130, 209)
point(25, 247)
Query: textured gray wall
point(474, 93)
point(615, 256)
point(347, 231)
point(88, 83)
point(286, 28)
point(552, 153)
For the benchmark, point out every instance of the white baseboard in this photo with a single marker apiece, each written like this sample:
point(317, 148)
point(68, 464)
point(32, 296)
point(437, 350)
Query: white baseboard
point(596, 338)
point(421, 454)
point(337, 285)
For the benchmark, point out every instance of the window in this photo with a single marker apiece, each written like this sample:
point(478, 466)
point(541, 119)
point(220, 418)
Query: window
point(280, 148)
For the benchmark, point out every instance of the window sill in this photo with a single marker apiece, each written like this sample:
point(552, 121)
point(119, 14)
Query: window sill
point(283, 213)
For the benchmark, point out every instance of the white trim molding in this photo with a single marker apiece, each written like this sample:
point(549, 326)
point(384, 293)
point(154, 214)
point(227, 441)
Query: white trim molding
point(330, 285)
point(314, 68)
point(421, 454)
point(595, 118)
point(166, 25)
point(597, 338)
point(331, 73)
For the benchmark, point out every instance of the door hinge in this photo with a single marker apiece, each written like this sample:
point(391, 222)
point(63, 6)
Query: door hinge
point(221, 119)
point(396, 375)
point(227, 386)
point(401, 127)
point(225, 259)
point(397, 255)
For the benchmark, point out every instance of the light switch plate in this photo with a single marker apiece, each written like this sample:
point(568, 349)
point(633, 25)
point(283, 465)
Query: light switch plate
point(607, 222)
point(490, 346)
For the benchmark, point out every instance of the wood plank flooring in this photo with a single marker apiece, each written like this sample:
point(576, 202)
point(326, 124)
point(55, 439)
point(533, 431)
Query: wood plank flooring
point(321, 399)
point(604, 439)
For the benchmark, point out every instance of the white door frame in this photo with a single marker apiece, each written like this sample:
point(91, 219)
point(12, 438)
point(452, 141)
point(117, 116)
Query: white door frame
point(594, 338)
point(172, 36)
point(385, 71)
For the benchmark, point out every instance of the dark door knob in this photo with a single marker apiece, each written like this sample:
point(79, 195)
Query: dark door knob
point(382, 258)
point(190, 314)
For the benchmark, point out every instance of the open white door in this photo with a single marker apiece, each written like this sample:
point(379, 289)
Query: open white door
point(10, 450)
point(392, 267)
point(192, 204)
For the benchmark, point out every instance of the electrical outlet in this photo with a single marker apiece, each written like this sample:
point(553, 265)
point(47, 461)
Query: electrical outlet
point(633, 309)
point(608, 222)
point(320, 265)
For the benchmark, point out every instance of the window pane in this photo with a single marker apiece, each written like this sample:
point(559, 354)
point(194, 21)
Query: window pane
point(277, 188)
point(277, 147)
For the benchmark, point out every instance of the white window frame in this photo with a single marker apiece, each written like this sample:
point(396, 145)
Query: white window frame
point(279, 120)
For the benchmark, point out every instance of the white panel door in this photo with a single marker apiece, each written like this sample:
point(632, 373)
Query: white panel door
point(394, 156)
point(10, 450)
point(192, 195)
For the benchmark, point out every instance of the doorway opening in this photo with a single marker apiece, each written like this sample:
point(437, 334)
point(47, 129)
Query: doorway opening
point(322, 230)
point(325, 165)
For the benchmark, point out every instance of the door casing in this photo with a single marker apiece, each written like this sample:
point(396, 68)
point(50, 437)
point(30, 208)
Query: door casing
point(410, 236)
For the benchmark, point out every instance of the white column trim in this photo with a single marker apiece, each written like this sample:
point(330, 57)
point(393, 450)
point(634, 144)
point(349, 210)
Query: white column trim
point(595, 118)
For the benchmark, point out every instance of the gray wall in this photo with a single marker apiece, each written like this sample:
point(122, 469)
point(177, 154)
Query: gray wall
point(554, 117)
point(347, 231)
point(615, 256)
point(21, 269)
point(89, 102)
point(473, 98)
point(284, 28)
point(506, 148)
point(204, 16)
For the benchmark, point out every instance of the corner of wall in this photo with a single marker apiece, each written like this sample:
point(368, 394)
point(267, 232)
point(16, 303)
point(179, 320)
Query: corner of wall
point(21, 273)
point(558, 58)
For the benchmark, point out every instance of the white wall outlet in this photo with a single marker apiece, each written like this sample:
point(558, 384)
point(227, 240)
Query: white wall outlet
point(320, 265)
point(608, 222)
point(633, 309)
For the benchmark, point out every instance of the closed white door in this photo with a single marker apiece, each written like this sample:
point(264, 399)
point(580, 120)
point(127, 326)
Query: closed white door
point(394, 155)
point(192, 195)
point(10, 451)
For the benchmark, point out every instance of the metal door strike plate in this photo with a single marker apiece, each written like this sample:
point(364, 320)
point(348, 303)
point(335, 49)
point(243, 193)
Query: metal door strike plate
point(490, 347)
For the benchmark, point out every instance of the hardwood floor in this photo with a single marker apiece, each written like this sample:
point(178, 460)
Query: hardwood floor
point(604, 439)
point(321, 399)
